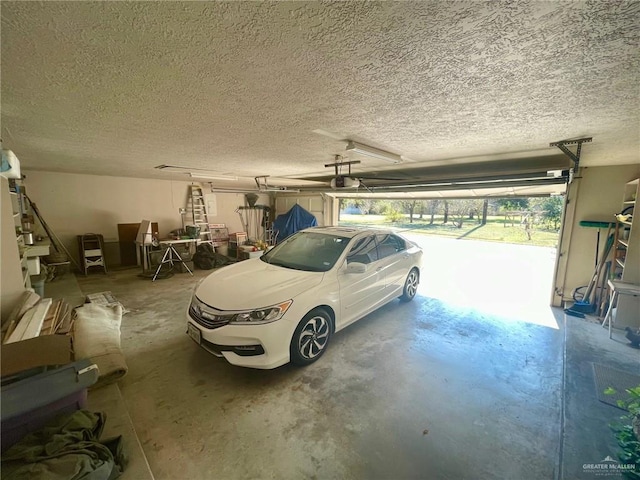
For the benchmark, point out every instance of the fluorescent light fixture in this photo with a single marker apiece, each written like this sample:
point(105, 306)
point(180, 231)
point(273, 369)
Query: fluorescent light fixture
point(373, 152)
point(206, 173)
point(213, 177)
point(180, 168)
point(280, 189)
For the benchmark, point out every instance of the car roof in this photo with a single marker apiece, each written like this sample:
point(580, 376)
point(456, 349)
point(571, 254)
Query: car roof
point(348, 232)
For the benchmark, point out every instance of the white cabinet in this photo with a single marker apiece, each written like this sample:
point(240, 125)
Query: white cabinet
point(14, 272)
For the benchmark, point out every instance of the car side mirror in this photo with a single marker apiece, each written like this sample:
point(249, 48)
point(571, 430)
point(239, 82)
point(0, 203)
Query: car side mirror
point(356, 267)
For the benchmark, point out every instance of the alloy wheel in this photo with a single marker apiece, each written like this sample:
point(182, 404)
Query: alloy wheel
point(410, 286)
point(313, 337)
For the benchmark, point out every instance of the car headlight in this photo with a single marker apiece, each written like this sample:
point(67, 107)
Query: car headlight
point(262, 315)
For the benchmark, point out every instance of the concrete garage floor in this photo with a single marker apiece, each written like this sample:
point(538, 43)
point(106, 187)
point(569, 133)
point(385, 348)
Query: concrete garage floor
point(465, 382)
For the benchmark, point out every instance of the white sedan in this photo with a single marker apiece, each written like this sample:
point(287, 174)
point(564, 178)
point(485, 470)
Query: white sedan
point(286, 305)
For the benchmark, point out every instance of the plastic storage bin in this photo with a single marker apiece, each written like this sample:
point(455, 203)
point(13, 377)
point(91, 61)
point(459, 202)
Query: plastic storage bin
point(32, 398)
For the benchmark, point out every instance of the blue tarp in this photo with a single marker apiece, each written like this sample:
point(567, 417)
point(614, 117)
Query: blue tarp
point(289, 223)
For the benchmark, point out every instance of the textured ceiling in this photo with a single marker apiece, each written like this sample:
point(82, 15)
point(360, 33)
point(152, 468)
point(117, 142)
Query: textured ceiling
point(274, 88)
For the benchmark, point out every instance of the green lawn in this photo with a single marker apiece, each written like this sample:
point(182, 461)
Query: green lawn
point(495, 230)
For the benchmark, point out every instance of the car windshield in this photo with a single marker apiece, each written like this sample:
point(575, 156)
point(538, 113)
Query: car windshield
point(308, 251)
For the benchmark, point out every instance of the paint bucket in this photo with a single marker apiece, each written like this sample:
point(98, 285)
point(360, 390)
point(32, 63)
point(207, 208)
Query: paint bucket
point(28, 238)
point(193, 231)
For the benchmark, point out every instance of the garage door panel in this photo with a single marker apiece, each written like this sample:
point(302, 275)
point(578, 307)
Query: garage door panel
point(313, 204)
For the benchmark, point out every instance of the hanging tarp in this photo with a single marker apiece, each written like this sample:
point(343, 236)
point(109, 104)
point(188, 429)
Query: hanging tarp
point(297, 218)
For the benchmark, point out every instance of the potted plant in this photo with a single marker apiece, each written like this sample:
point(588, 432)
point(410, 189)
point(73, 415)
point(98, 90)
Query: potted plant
point(627, 431)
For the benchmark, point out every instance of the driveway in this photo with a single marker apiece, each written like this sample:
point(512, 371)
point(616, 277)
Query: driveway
point(507, 280)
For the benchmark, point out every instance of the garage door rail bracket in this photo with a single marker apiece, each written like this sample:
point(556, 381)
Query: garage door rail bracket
point(575, 157)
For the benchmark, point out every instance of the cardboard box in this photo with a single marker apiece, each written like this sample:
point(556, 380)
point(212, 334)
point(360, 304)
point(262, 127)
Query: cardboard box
point(35, 352)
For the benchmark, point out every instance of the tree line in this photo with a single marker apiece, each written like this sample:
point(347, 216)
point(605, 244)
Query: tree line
point(545, 212)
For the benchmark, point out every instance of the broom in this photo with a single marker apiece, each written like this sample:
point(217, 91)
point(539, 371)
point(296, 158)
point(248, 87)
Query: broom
point(585, 305)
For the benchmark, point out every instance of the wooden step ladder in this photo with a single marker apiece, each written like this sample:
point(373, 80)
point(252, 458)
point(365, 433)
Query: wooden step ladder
point(197, 210)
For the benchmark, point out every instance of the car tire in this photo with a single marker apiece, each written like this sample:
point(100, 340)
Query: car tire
point(410, 285)
point(311, 338)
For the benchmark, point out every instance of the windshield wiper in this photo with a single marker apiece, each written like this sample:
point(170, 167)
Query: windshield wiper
point(295, 267)
point(280, 264)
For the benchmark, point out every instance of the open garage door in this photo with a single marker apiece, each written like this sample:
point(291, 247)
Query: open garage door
point(548, 189)
point(525, 177)
point(540, 176)
point(502, 263)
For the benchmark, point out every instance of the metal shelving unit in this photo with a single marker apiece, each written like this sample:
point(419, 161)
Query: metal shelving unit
point(623, 229)
point(16, 192)
point(627, 259)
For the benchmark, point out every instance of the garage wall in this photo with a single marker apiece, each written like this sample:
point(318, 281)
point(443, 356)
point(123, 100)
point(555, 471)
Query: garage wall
point(599, 197)
point(73, 204)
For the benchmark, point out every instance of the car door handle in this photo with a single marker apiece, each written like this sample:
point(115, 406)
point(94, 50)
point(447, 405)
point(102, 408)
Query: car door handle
point(378, 269)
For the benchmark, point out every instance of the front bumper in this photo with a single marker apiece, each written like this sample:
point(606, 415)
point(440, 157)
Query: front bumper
point(255, 346)
point(218, 350)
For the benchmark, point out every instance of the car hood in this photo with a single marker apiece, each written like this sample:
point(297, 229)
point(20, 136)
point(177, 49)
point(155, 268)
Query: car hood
point(254, 284)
